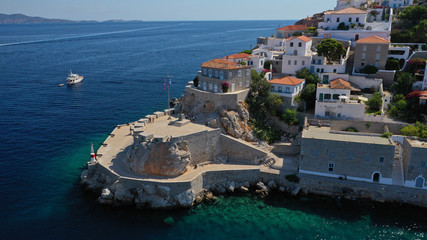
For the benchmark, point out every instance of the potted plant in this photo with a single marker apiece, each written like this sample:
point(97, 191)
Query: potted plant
point(225, 87)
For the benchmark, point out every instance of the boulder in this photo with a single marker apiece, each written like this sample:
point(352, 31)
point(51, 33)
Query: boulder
point(123, 195)
point(243, 189)
point(149, 189)
point(213, 123)
point(295, 191)
point(106, 194)
point(163, 191)
point(282, 189)
point(261, 186)
point(185, 199)
point(272, 184)
point(246, 184)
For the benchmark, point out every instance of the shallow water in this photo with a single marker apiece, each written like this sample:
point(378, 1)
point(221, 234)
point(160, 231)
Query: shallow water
point(46, 132)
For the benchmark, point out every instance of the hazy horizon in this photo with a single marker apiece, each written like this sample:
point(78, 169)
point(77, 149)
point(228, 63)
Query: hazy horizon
point(167, 10)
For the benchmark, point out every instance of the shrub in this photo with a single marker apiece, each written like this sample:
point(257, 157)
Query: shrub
point(243, 63)
point(290, 117)
point(418, 130)
point(225, 87)
point(196, 81)
point(392, 64)
point(386, 135)
point(267, 65)
point(292, 178)
point(374, 104)
point(351, 129)
point(370, 69)
point(246, 51)
point(342, 26)
point(274, 103)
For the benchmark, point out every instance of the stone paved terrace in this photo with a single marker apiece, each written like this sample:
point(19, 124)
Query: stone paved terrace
point(162, 127)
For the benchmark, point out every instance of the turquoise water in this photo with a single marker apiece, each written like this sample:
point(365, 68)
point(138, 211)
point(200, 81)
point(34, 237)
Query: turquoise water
point(46, 133)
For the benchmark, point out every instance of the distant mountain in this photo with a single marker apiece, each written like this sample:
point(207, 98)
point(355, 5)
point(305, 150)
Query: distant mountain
point(23, 19)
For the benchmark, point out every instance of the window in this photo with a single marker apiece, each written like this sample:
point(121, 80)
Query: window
point(248, 72)
point(303, 63)
point(377, 57)
point(280, 89)
point(381, 159)
point(350, 157)
point(299, 44)
point(319, 61)
point(357, 19)
point(262, 63)
point(336, 96)
point(332, 155)
point(295, 52)
point(216, 74)
point(328, 20)
point(215, 88)
point(363, 56)
point(364, 48)
point(318, 70)
point(338, 19)
point(327, 96)
point(349, 19)
point(288, 90)
point(240, 84)
point(247, 83)
point(210, 86)
point(230, 74)
point(239, 74)
point(419, 182)
point(313, 61)
point(272, 88)
point(221, 75)
point(292, 44)
point(289, 62)
point(315, 153)
point(331, 167)
point(210, 72)
point(322, 70)
point(327, 113)
point(379, 49)
point(205, 72)
point(295, 62)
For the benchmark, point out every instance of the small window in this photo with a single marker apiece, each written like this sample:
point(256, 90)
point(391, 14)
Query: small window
point(313, 61)
point(349, 19)
point(299, 44)
point(289, 62)
point(357, 19)
point(381, 159)
point(240, 84)
point(327, 96)
point(239, 74)
point(363, 56)
point(230, 74)
point(221, 75)
point(247, 83)
point(331, 167)
point(336, 96)
point(319, 62)
point(322, 70)
point(292, 44)
point(272, 88)
point(364, 48)
point(327, 113)
point(379, 49)
point(216, 74)
point(288, 90)
point(204, 71)
point(295, 62)
point(338, 19)
point(303, 63)
point(318, 70)
point(210, 86)
point(377, 57)
point(280, 89)
point(335, 70)
point(215, 88)
point(210, 72)
point(248, 72)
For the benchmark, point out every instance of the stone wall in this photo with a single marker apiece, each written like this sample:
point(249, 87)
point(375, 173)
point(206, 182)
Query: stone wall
point(361, 126)
point(414, 162)
point(240, 151)
point(286, 149)
point(203, 146)
point(293, 130)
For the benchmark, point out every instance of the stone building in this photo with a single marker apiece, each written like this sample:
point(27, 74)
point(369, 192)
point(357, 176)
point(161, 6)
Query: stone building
point(372, 50)
point(345, 155)
point(218, 71)
point(415, 163)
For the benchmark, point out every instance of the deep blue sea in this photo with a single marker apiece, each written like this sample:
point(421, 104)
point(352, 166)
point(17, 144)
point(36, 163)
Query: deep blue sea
point(46, 131)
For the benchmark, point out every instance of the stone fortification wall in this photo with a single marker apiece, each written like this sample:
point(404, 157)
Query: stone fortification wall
point(201, 101)
point(286, 149)
point(203, 146)
point(361, 126)
point(414, 162)
point(240, 151)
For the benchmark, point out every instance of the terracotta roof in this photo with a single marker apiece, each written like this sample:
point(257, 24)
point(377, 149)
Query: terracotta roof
point(287, 81)
point(423, 93)
point(302, 38)
point(293, 28)
point(238, 55)
point(373, 39)
point(222, 64)
point(340, 84)
point(350, 10)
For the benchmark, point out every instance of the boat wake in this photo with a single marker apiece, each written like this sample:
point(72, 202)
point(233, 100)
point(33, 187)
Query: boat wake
point(82, 36)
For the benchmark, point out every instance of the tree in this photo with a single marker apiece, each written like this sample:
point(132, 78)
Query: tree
point(290, 117)
point(342, 26)
point(419, 32)
point(267, 64)
point(308, 94)
point(246, 51)
point(374, 104)
point(310, 78)
point(370, 69)
point(412, 16)
point(331, 49)
point(392, 64)
point(259, 87)
point(274, 103)
point(403, 83)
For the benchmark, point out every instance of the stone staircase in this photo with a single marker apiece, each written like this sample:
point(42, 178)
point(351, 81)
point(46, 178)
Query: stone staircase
point(350, 63)
point(397, 174)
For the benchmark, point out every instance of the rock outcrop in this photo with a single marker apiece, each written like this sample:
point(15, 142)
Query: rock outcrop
point(236, 123)
point(161, 159)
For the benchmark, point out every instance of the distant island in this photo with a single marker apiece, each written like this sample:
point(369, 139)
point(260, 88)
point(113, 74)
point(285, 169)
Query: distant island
point(24, 19)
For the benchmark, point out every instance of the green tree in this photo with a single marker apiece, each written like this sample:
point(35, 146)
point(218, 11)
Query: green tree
point(403, 83)
point(419, 32)
point(342, 26)
point(412, 15)
point(410, 130)
point(260, 87)
point(274, 103)
point(392, 64)
point(246, 51)
point(308, 94)
point(370, 69)
point(374, 104)
point(290, 117)
point(267, 64)
point(331, 49)
point(310, 78)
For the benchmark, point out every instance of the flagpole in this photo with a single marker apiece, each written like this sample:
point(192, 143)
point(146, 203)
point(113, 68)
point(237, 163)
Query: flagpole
point(169, 102)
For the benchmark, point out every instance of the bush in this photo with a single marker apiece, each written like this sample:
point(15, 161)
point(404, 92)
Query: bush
point(370, 69)
point(274, 103)
point(351, 130)
point(225, 87)
point(267, 64)
point(246, 51)
point(374, 104)
point(243, 63)
point(386, 135)
point(292, 178)
point(418, 130)
point(308, 94)
point(392, 64)
point(310, 78)
point(290, 117)
point(196, 81)
point(342, 26)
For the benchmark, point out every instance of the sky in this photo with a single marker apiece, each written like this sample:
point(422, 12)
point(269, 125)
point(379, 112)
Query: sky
point(167, 10)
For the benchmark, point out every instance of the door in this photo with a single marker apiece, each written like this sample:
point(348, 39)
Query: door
point(325, 79)
point(376, 177)
point(321, 97)
point(419, 182)
point(233, 87)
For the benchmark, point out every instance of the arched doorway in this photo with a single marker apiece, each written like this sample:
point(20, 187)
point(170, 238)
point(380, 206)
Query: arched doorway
point(356, 37)
point(376, 177)
point(419, 182)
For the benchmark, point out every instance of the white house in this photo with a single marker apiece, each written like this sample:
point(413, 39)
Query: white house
point(289, 31)
point(333, 101)
point(298, 54)
point(288, 87)
point(348, 16)
point(400, 3)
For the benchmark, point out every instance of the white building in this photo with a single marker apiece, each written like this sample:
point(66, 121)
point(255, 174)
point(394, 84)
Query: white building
point(333, 101)
point(399, 3)
point(348, 16)
point(342, 4)
point(289, 31)
point(288, 87)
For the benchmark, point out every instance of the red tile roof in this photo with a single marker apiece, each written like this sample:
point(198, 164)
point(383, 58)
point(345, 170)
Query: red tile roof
point(373, 39)
point(340, 84)
point(293, 28)
point(222, 64)
point(302, 38)
point(238, 56)
point(350, 10)
point(287, 81)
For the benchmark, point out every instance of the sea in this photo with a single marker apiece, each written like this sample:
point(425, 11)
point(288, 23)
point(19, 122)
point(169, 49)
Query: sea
point(46, 132)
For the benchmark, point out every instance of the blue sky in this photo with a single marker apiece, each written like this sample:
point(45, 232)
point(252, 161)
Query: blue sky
point(167, 10)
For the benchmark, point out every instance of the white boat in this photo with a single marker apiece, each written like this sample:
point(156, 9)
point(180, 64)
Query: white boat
point(74, 78)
